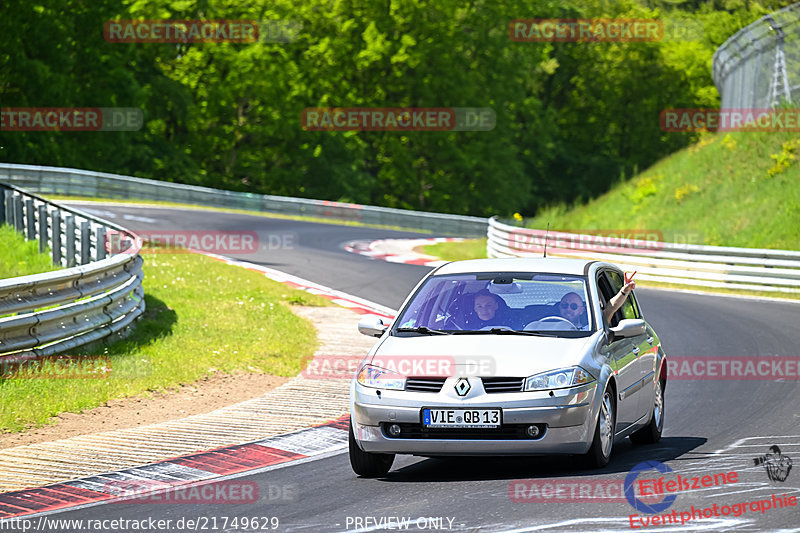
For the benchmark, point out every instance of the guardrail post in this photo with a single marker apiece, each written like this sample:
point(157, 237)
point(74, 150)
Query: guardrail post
point(86, 235)
point(30, 220)
point(3, 192)
point(55, 219)
point(100, 244)
point(70, 242)
point(9, 206)
point(19, 222)
point(43, 237)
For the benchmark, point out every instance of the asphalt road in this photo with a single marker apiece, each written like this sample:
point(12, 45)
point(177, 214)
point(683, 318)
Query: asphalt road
point(711, 427)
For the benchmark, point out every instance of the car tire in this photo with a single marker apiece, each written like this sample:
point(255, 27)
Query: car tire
point(367, 464)
point(599, 453)
point(651, 433)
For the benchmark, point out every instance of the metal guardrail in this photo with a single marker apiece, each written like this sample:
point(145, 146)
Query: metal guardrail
point(680, 264)
point(94, 297)
point(759, 66)
point(55, 180)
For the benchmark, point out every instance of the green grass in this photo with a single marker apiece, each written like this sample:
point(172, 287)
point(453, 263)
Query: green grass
point(322, 220)
point(729, 189)
point(203, 316)
point(19, 257)
point(717, 192)
point(457, 251)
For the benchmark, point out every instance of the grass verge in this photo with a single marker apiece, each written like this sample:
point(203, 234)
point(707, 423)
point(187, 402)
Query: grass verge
point(19, 257)
point(203, 316)
point(457, 251)
point(729, 189)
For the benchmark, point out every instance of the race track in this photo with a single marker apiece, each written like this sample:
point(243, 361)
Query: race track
point(711, 426)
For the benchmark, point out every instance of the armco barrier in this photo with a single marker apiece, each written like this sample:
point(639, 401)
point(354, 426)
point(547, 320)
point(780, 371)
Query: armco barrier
point(54, 180)
point(94, 297)
point(680, 264)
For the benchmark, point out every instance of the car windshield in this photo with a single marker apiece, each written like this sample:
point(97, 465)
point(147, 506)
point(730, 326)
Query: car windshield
point(495, 302)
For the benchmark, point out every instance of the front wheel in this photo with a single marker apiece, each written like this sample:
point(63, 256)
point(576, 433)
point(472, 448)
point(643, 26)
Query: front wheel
point(651, 433)
point(599, 454)
point(367, 464)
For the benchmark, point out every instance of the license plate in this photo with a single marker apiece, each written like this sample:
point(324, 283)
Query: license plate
point(461, 418)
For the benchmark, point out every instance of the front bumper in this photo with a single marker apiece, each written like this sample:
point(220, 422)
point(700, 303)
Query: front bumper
point(568, 418)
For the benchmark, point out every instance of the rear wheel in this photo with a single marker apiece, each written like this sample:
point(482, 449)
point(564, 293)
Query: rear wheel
point(651, 433)
point(599, 454)
point(367, 464)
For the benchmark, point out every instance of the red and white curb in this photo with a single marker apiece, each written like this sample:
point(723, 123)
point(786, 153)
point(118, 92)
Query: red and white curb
point(181, 471)
point(399, 250)
point(302, 445)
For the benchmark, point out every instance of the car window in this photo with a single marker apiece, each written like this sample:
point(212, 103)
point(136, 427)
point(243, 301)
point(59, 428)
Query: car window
point(471, 302)
point(629, 308)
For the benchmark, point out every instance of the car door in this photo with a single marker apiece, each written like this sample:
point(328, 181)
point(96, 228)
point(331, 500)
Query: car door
point(641, 356)
point(623, 357)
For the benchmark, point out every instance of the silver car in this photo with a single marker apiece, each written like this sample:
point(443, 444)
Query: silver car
point(508, 357)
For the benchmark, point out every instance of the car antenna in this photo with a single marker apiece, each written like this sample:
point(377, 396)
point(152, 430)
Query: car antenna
point(545, 240)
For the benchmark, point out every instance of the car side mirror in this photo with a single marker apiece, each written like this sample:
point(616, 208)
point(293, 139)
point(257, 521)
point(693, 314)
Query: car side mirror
point(372, 326)
point(629, 327)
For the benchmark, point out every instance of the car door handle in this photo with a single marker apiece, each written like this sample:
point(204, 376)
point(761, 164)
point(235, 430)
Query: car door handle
point(649, 340)
point(635, 350)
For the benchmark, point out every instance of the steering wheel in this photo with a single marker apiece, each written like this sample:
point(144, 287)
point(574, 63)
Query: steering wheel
point(554, 318)
point(452, 321)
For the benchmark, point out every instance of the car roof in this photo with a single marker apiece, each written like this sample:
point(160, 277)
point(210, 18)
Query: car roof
point(577, 267)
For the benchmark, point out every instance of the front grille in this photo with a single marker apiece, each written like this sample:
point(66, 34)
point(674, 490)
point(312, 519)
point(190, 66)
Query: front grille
point(504, 432)
point(492, 385)
point(424, 384)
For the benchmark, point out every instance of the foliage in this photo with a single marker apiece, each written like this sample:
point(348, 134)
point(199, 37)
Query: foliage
point(572, 118)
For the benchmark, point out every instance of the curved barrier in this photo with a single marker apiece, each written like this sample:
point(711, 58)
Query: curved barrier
point(94, 297)
point(55, 180)
point(680, 264)
point(757, 67)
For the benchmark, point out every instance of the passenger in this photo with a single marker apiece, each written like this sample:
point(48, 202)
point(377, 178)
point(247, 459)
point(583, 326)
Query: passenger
point(573, 308)
point(490, 310)
point(616, 302)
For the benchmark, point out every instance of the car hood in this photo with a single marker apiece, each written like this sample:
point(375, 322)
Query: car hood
point(480, 355)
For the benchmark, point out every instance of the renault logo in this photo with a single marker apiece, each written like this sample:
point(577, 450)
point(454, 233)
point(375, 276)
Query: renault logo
point(462, 386)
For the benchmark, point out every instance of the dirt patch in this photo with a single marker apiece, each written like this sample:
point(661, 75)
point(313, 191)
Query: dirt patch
point(206, 395)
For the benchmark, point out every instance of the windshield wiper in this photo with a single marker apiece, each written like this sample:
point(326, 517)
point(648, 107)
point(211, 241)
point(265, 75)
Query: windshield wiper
point(426, 330)
point(507, 331)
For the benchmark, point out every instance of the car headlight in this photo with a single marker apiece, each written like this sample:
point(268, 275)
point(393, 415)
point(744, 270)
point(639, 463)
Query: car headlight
point(558, 379)
point(380, 378)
